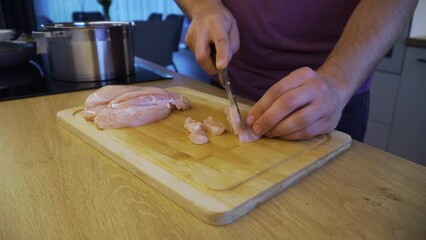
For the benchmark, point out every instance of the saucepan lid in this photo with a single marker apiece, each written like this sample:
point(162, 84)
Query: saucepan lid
point(84, 31)
point(86, 25)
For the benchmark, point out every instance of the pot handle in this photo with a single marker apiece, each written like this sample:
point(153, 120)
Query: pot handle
point(41, 38)
point(51, 34)
point(41, 42)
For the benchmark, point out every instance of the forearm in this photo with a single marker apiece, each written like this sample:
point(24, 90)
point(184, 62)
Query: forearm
point(191, 7)
point(369, 34)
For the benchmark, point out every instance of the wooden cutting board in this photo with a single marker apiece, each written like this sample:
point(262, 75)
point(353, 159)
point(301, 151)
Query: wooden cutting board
point(219, 181)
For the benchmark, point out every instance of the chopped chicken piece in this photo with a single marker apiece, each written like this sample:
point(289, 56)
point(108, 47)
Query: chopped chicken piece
point(198, 138)
point(197, 133)
point(198, 129)
point(116, 106)
point(213, 127)
point(244, 134)
point(247, 135)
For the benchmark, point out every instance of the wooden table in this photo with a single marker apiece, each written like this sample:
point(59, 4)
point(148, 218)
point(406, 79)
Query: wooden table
point(55, 186)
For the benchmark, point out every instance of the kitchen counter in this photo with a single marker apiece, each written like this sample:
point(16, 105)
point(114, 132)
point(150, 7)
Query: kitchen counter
point(55, 186)
point(419, 42)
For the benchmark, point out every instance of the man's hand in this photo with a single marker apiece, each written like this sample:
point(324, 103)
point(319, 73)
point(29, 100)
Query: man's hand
point(212, 23)
point(302, 105)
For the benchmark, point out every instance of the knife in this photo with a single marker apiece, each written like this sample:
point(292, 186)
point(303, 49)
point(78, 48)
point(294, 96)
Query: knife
point(224, 81)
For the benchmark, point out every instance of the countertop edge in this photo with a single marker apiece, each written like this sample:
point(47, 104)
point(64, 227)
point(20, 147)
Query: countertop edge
point(419, 42)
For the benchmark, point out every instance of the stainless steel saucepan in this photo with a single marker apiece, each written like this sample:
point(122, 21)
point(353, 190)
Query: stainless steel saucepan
point(88, 51)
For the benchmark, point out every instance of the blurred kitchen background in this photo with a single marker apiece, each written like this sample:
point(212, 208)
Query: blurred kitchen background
point(398, 95)
point(28, 15)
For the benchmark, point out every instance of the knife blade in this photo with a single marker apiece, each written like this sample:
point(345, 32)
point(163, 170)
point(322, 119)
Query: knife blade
point(226, 84)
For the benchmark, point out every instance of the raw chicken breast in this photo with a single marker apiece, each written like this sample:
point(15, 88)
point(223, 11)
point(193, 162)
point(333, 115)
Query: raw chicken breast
point(197, 133)
point(91, 112)
point(117, 106)
point(244, 134)
point(131, 116)
point(101, 98)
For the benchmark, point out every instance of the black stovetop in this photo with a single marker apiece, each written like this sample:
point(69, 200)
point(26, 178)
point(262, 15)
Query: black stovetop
point(34, 79)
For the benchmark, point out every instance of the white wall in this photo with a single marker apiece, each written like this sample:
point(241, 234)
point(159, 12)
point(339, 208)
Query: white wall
point(418, 27)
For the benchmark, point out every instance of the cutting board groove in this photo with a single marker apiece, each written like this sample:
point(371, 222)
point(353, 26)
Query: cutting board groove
point(219, 181)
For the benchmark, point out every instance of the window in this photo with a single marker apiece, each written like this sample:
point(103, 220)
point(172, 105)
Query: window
point(120, 10)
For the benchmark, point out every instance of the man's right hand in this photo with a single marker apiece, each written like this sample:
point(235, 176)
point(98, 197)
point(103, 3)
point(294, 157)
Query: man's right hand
point(212, 23)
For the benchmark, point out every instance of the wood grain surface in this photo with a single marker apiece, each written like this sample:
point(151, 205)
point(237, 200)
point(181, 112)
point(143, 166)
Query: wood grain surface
point(53, 185)
point(219, 181)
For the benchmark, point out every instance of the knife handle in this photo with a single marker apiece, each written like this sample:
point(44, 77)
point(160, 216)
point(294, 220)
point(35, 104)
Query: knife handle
point(213, 54)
